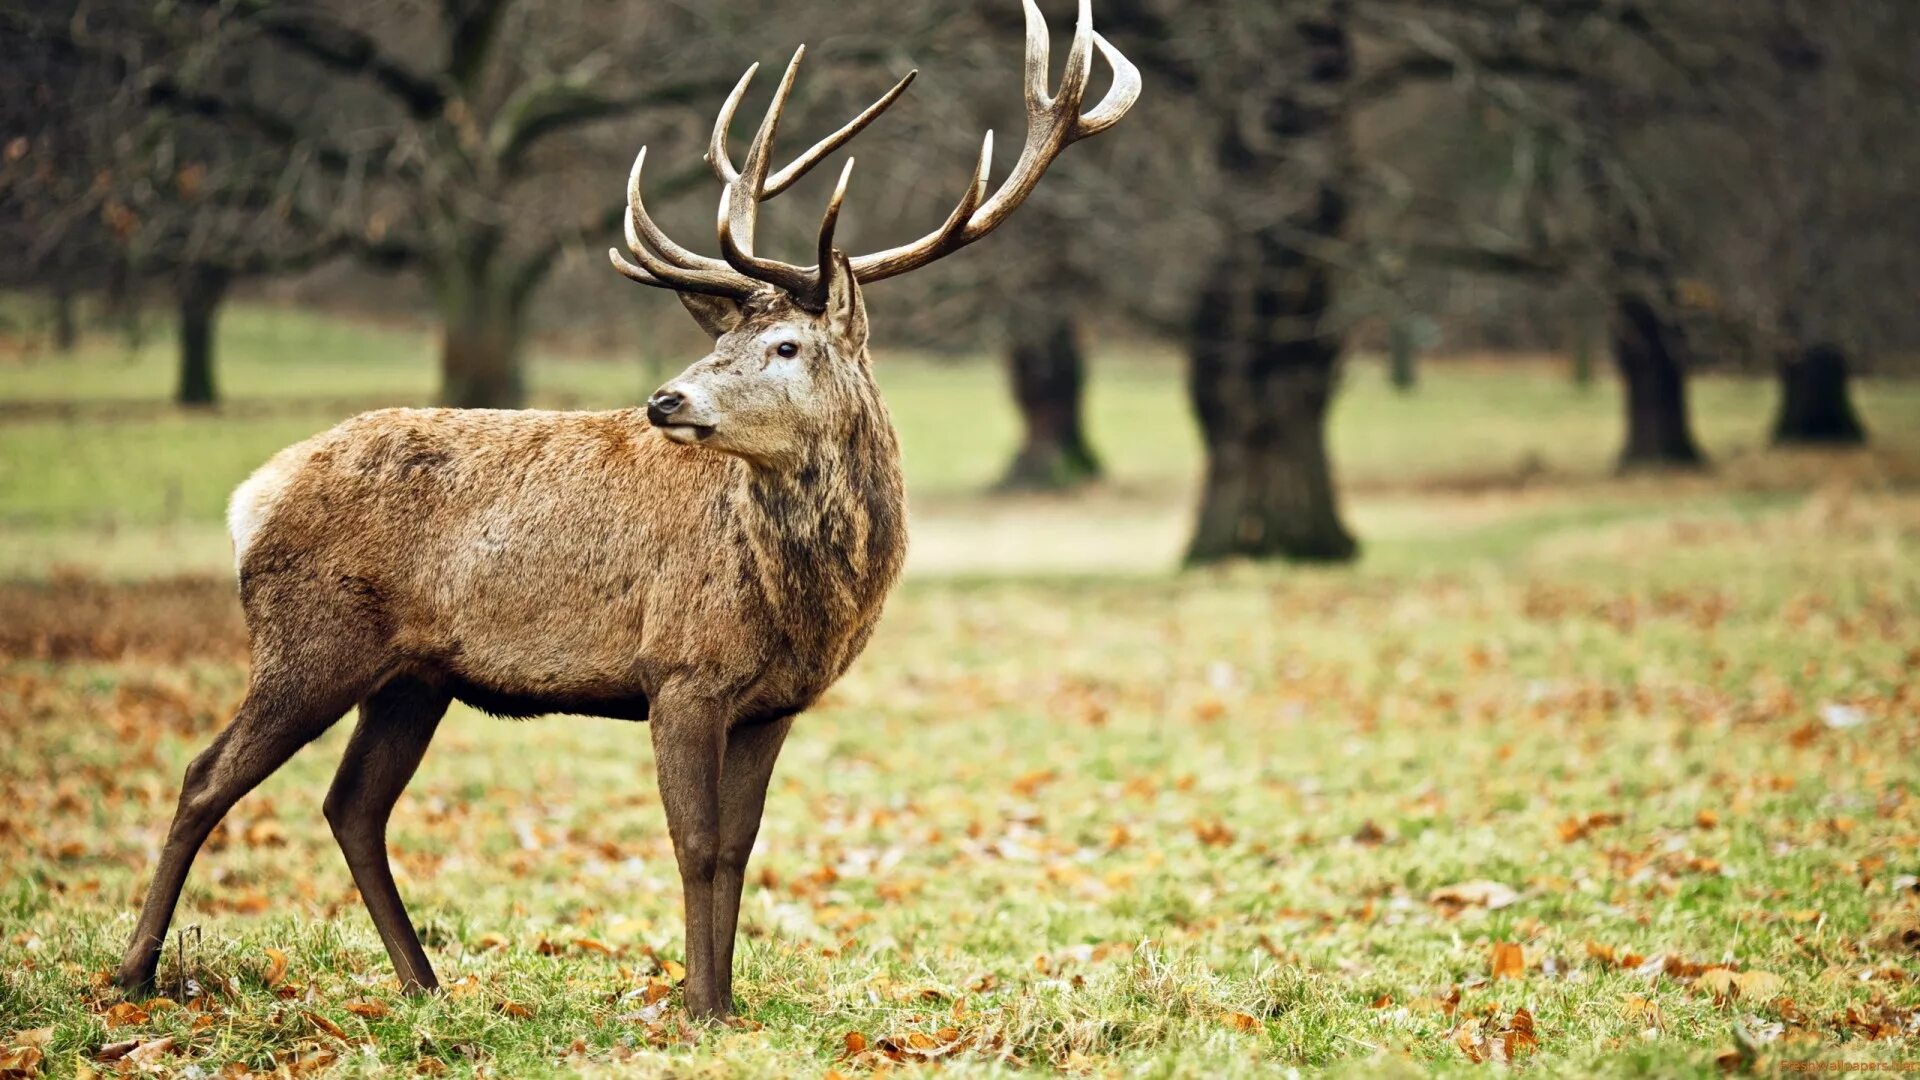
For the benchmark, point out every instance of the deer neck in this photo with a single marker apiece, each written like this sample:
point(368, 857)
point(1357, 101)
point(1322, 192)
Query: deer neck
point(824, 536)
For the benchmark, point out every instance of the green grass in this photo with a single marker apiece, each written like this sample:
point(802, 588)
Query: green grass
point(97, 472)
point(1088, 816)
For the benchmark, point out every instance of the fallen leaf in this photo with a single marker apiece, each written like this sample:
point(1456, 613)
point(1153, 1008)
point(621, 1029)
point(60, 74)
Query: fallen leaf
point(276, 968)
point(20, 1062)
point(372, 1010)
point(1520, 1036)
point(1491, 895)
point(517, 1010)
point(114, 1051)
point(1240, 1021)
point(148, 1051)
point(1509, 961)
point(1759, 985)
point(326, 1025)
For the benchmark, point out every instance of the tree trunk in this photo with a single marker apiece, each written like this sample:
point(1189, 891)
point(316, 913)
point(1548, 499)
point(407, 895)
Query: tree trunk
point(201, 291)
point(1047, 373)
point(1263, 348)
point(66, 328)
point(480, 342)
point(1583, 358)
point(1648, 348)
point(1401, 350)
point(1262, 374)
point(1816, 405)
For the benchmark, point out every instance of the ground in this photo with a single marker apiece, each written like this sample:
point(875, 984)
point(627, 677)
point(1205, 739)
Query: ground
point(1595, 776)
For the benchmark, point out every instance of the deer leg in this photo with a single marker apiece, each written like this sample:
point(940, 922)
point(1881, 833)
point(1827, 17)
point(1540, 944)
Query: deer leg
point(687, 749)
point(751, 752)
point(282, 712)
point(396, 724)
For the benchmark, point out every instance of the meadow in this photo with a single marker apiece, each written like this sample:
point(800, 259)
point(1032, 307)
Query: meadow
point(1570, 775)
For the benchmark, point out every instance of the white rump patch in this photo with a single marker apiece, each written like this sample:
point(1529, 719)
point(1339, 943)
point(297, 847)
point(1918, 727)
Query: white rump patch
point(253, 502)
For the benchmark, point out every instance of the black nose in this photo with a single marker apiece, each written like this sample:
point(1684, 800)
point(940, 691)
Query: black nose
point(662, 406)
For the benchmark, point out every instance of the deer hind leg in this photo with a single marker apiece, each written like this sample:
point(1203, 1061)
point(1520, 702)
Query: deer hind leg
point(751, 752)
point(396, 724)
point(291, 700)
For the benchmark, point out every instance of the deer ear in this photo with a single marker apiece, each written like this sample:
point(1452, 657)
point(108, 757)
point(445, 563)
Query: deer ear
point(716, 315)
point(846, 310)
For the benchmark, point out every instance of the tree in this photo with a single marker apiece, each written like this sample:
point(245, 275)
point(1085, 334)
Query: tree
point(1047, 370)
point(448, 152)
point(1265, 88)
point(118, 194)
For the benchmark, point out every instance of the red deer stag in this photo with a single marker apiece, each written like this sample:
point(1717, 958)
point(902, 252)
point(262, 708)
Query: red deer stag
point(711, 564)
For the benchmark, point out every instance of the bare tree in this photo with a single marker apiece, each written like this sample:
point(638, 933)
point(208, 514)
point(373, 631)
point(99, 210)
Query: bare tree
point(450, 152)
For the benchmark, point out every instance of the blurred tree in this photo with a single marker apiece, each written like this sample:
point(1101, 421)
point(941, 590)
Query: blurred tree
point(1042, 294)
point(1827, 171)
point(439, 125)
point(114, 193)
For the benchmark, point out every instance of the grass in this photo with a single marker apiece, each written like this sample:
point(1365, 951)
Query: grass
point(1660, 735)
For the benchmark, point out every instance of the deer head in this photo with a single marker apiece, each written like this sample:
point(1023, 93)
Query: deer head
point(790, 342)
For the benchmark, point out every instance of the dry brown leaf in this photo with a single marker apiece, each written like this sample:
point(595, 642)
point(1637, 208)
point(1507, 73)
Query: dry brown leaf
point(325, 1025)
point(855, 1043)
point(517, 1010)
point(1643, 1010)
point(126, 1014)
point(114, 1051)
point(149, 1051)
point(1491, 895)
point(1520, 1036)
point(1509, 961)
point(20, 1062)
point(1722, 983)
point(276, 968)
point(674, 971)
point(372, 1010)
point(1240, 1021)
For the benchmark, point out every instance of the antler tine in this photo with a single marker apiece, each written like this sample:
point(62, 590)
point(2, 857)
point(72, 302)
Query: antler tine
point(786, 177)
point(740, 202)
point(1039, 56)
point(831, 219)
point(674, 267)
point(723, 168)
point(800, 166)
point(640, 225)
point(1120, 96)
point(1054, 122)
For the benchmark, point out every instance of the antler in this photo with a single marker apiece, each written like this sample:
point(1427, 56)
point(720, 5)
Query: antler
point(1053, 123)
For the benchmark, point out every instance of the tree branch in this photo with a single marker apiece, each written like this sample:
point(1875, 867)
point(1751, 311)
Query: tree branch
point(352, 52)
point(543, 109)
point(471, 26)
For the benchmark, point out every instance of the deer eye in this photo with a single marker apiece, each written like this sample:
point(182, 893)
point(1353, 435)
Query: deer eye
point(787, 348)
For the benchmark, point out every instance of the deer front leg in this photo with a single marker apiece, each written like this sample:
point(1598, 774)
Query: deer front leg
point(751, 752)
point(688, 743)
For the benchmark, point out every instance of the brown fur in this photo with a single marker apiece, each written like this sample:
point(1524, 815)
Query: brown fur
point(534, 562)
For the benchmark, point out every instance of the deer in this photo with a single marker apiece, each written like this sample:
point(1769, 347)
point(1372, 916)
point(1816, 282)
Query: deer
point(709, 564)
